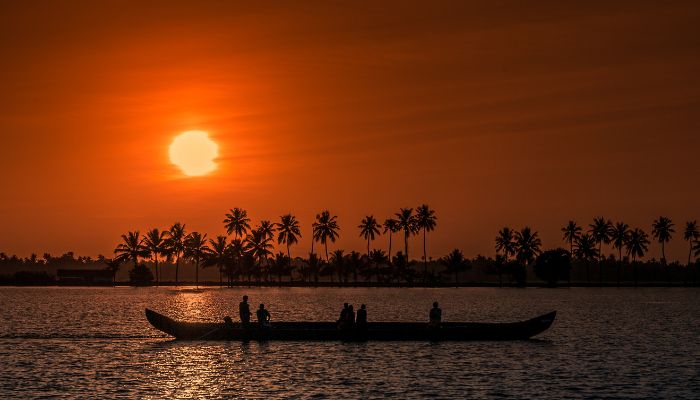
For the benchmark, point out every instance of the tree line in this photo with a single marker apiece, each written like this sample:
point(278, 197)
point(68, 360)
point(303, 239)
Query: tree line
point(248, 251)
point(586, 245)
point(245, 252)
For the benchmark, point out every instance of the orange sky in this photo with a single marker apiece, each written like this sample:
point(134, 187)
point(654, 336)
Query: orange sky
point(504, 113)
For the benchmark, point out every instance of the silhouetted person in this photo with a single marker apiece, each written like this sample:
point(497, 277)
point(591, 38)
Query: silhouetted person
point(361, 320)
point(350, 316)
point(244, 310)
point(435, 315)
point(343, 313)
point(263, 316)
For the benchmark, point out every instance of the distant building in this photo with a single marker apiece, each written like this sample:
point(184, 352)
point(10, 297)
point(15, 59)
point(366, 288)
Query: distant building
point(79, 277)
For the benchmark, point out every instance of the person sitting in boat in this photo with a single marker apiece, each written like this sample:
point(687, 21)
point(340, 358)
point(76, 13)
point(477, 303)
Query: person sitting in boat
point(435, 315)
point(244, 310)
point(263, 316)
point(361, 320)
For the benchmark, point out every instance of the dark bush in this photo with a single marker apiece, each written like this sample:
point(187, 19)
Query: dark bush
point(552, 266)
point(141, 275)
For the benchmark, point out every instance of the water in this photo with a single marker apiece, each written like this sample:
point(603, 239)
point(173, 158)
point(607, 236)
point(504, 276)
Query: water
point(96, 343)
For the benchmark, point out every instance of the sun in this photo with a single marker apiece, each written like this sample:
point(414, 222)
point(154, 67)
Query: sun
point(194, 153)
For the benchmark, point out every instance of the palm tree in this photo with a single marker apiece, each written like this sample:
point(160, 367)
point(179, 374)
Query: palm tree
point(637, 245)
point(237, 222)
point(113, 266)
point(406, 223)
point(662, 230)
point(426, 220)
point(176, 245)
point(326, 228)
point(572, 231)
point(691, 234)
point(196, 250)
point(527, 245)
point(600, 231)
point(455, 263)
point(155, 242)
point(218, 255)
point(288, 231)
point(505, 242)
point(338, 264)
point(378, 257)
point(267, 228)
point(585, 251)
point(369, 228)
point(257, 243)
point(281, 266)
point(239, 262)
point(354, 263)
point(390, 226)
point(619, 235)
point(314, 266)
point(131, 248)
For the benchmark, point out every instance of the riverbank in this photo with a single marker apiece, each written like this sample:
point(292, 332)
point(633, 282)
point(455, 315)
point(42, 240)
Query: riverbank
point(210, 284)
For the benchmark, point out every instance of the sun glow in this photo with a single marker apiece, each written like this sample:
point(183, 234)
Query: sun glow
point(194, 153)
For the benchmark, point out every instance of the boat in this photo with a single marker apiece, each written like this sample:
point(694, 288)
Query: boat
point(325, 331)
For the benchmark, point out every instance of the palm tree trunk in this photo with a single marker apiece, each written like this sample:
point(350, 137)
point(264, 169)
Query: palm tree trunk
point(663, 253)
point(177, 269)
point(690, 252)
point(390, 248)
point(425, 259)
point(619, 266)
point(405, 244)
point(157, 273)
point(196, 273)
point(289, 263)
point(367, 246)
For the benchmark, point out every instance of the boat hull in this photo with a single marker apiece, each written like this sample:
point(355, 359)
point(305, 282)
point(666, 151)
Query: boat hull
point(328, 331)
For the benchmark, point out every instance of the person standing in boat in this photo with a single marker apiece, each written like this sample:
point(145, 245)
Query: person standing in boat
point(343, 313)
point(263, 316)
point(361, 321)
point(435, 315)
point(350, 316)
point(244, 310)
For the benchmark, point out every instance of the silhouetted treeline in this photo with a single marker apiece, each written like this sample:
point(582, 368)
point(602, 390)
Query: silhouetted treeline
point(244, 255)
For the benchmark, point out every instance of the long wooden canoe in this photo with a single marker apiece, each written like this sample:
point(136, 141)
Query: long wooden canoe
point(319, 331)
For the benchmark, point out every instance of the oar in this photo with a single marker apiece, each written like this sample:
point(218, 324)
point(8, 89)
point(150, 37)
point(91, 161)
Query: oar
point(208, 333)
point(226, 325)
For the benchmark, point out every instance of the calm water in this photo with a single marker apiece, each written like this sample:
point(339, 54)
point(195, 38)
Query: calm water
point(96, 343)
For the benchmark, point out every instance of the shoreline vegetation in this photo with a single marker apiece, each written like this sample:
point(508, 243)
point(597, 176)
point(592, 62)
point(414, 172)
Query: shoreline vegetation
point(244, 257)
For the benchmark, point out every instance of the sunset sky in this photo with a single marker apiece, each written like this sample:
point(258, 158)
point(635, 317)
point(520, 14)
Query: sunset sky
point(494, 114)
